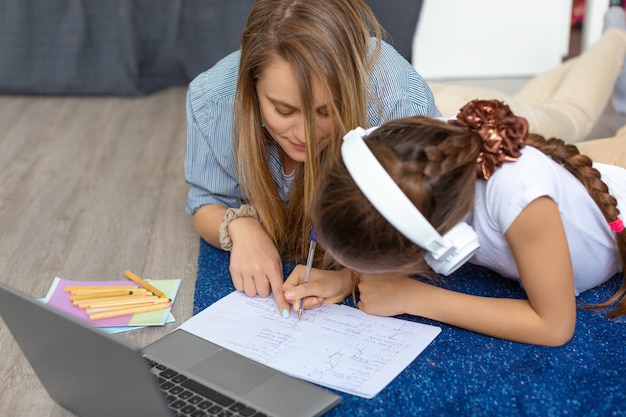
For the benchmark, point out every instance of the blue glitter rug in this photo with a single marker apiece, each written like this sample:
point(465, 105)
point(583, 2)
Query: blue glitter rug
point(467, 374)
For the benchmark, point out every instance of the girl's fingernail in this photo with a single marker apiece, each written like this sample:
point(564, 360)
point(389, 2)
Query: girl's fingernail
point(285, 313)
point(289, 294)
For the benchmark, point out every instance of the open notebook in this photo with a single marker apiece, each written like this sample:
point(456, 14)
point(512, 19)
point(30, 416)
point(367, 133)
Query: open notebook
point(335, 345)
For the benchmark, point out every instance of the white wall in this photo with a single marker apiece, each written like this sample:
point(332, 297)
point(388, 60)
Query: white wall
point(593, 25)
point(490, 38)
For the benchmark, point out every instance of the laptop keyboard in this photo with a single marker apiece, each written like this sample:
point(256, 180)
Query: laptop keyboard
point(189, 398)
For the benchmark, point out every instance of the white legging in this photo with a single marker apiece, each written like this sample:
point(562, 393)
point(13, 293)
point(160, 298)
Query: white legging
point(564, 102)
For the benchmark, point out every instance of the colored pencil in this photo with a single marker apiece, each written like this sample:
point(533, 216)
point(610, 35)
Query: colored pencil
point(144, 284)
point(108, 294)
point(152, 299)
point(129, 311)
point(89, 301)
point(75, 289)
point(102, 308)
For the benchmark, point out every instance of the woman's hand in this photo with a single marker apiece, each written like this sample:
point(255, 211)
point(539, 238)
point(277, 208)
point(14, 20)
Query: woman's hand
point(324, 286)
point(255, 264)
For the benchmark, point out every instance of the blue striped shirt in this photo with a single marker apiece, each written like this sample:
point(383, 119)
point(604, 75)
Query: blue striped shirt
point(210, 166)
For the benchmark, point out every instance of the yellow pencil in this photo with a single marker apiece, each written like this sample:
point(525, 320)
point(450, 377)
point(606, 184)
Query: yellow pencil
point(107, 294)
point(74, 289)
point(89, 301)
point(101, 309)
point(128, 311)
point(93, 310)
point(144, 284)
point(143, 300)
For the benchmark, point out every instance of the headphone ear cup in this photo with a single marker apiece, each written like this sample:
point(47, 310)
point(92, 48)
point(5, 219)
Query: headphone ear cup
point(465, 241)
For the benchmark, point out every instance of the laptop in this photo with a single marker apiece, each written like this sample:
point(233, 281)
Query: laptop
point(94, 374)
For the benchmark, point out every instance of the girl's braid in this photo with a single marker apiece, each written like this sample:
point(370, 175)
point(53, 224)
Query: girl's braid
point(581, 167)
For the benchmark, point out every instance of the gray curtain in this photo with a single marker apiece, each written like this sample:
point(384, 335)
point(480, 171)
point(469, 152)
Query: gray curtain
point(116, 47)
point(399, 18)
point(135, 47)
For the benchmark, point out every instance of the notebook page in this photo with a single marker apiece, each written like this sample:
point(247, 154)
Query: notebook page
point(336, 346)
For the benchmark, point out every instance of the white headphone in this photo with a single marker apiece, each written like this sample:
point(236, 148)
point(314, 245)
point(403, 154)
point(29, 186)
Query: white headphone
point(445, 254)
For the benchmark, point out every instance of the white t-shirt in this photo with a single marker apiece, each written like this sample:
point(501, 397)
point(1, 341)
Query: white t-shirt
point(514, 185)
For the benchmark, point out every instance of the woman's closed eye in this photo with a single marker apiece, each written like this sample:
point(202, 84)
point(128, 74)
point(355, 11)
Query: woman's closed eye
point(323, 111)
point(284, 112)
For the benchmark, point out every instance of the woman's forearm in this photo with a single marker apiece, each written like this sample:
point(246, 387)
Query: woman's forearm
point(207, 222)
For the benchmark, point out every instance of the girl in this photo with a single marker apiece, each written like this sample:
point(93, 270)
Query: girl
point(541, 212)
point(264, 120)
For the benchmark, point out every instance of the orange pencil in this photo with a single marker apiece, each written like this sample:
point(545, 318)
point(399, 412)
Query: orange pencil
point(144, 284)
point(125, 312)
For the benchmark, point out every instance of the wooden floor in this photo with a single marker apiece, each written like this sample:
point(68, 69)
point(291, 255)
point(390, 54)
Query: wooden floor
point(91, 187)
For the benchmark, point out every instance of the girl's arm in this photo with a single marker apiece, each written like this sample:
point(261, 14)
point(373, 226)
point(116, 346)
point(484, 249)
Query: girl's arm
point(537, 240)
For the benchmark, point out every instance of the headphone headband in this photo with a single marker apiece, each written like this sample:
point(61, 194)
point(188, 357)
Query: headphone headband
point(443, 253)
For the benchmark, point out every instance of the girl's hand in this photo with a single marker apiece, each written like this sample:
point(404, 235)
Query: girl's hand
point(324, 286)
point(386, 295)
point(255, 264)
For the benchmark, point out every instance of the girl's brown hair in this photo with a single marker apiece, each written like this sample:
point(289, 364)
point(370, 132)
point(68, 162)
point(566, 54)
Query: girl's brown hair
point(326, 39)
point(435, 165)
point(581, 167)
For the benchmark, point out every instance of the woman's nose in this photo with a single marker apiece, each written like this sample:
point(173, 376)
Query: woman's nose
point(299, 131)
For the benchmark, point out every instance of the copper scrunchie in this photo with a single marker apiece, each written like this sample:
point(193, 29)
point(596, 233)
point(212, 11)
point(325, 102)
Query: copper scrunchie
point(503, 133)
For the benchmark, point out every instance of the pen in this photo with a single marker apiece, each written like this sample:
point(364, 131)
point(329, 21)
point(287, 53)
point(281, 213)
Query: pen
point(144, 284)
point(309, 265)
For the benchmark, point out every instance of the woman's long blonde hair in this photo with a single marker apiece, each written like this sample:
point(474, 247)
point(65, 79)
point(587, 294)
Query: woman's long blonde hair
point(326, 39)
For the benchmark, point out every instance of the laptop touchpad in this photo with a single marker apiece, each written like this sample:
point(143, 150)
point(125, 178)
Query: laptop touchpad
point(234, 372)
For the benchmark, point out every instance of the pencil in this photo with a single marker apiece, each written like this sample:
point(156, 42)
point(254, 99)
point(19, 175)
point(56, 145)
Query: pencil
point(76, 289)
point(90, 310)
point(106, 294)
point(90, 301)
point(309, 266)
point(128, 311)
point(135, 300)
point(116, 307)
point(144, 284)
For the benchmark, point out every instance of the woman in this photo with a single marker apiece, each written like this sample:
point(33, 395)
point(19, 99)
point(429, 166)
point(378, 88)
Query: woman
point(264, 121)
point(558, 234)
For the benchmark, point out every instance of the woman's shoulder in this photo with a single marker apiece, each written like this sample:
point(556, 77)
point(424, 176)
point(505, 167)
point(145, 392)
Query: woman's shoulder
point(391, 63)
point(212, 93)
point(399, 87)
point(218, 81)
